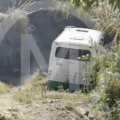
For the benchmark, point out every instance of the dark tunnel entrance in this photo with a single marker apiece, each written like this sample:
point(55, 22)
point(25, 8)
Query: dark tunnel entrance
point(48, 25)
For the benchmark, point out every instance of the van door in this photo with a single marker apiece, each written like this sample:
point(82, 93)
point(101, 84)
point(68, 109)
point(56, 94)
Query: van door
point(76, 66)
point(59, 65)
point(62, 59)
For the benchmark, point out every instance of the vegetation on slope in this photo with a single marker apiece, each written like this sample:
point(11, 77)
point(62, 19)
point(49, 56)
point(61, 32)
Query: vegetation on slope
point(38, 90)
point(105, 74)
point(104, 100)
point(4, 88)
point(34, 88)
point(88, 4)
point(106, 78)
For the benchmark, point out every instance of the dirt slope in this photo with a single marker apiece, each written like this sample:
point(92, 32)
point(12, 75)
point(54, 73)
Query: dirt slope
point(39, 110)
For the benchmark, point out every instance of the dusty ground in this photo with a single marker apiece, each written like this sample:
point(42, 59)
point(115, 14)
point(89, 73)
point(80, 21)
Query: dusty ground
point(39, 110)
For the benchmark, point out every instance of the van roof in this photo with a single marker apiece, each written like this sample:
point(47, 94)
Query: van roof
point(79, 35)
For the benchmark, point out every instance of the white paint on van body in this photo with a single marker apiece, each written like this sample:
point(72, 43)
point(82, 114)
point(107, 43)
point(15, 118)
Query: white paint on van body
point(69, 70)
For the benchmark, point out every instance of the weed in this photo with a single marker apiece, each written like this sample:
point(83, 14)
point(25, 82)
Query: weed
point(60, 88)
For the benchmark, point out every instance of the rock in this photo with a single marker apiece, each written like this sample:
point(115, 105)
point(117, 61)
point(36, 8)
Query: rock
point(86, 113)
point(78, 112)
point(52, 101)
point(91, 117)
point(37, 105)
point(79, 103)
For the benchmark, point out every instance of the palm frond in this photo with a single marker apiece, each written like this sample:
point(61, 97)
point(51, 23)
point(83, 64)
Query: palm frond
point(107, 18)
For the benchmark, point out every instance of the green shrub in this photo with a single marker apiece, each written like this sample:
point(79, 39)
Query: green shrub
point(113, 89)
point(105, 75)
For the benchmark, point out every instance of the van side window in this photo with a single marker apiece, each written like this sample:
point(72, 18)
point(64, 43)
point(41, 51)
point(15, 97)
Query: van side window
point(84, 53)
point(72, 54)
point(62, 53)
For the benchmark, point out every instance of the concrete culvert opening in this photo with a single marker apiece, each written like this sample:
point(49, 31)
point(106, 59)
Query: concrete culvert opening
point(46, 26)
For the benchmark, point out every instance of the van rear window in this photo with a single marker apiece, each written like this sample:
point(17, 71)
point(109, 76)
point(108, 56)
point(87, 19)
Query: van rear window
point(73, 54)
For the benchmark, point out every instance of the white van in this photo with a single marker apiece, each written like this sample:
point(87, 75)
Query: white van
point(66, 59)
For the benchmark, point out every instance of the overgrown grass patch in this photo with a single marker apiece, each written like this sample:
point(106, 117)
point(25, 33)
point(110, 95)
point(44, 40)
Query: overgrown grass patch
point(69, 98)
point(35, 88)
point(4, 88)
point(107, 84)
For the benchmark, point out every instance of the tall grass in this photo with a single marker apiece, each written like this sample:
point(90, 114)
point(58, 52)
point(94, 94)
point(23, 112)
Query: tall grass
point(106, 66)
point(106, 77)
point(107, 17)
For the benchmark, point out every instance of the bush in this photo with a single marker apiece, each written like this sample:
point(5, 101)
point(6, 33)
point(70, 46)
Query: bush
point(113, 89)
point(105, 75)
point(107, 64)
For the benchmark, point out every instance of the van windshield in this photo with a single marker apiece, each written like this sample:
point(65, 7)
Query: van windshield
point(73, 54)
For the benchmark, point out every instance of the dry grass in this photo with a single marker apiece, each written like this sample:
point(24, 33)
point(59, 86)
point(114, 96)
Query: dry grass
point(19, 15)
point(37, 90)
point(69, 98)
point(4, 88)
point(34, 88)
point(107, 19)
